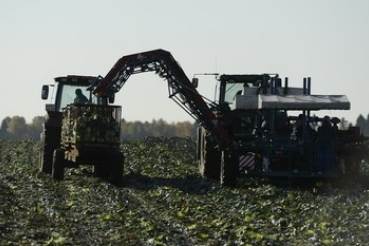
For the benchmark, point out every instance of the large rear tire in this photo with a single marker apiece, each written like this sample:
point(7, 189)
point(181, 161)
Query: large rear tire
point(50, 140)
point(58, 165)
point(210, 156)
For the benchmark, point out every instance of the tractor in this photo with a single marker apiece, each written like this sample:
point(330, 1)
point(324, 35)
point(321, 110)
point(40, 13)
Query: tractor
point(79, 132)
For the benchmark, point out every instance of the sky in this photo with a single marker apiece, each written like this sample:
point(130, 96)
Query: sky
point(327, 40)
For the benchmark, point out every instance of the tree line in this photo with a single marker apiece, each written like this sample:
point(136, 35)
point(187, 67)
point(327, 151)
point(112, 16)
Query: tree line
point(157, 128)
point(16, 128)
point(363, 123)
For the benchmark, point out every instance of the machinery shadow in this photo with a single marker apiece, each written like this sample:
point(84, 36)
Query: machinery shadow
point(191, 183)
point(198, 185)
point(195, 184)
point(323, 186)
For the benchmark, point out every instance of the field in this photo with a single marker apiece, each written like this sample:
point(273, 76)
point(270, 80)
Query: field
point(164, 201)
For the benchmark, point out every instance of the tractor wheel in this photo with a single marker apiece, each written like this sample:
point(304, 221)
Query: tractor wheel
point(58, 164)
point(210, 156)
point(45, 162)
point(116, 168)
point(228, 172)
point(49, 142)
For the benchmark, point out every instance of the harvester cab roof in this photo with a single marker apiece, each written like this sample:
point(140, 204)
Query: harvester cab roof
point(265, 92)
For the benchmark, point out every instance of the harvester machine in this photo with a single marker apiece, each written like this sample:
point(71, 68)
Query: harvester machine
point(257, 127)
point(276, 131)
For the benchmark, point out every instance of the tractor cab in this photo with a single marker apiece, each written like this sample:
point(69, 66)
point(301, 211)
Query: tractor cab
point(246, 84)
point(63, 92)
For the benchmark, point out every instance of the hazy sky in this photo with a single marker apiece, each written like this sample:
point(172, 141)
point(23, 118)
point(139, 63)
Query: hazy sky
point(326, 40)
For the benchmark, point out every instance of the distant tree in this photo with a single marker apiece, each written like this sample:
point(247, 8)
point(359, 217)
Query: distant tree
point(136, 129)
point(184, 129)
point(162, 128)
point(35, 128)
point(18, 128)
point(156, 128)
point(365, 129)
point(361, 122)
point(4, 128)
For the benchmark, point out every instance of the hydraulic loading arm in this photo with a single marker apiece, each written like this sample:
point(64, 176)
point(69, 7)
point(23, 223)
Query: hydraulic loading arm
point(181, 90)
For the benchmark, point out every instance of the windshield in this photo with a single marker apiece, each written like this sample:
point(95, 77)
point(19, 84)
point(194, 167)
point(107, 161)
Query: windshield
point(68, 94)
point(231, 90)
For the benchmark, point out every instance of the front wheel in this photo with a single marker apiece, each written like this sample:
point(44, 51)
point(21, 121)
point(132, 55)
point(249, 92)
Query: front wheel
point(50, 141)
point(210, 156)
point(46, 156)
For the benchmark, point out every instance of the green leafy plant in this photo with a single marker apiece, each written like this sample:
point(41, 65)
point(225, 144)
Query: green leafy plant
point(164, 201)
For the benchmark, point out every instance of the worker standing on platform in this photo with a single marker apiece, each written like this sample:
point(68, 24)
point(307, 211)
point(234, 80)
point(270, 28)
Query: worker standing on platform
point(325, 145)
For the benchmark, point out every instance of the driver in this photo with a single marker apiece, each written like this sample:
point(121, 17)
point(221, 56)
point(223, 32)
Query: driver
point(80, 98)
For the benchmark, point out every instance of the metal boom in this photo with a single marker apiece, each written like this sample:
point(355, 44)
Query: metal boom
point(181, 90)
